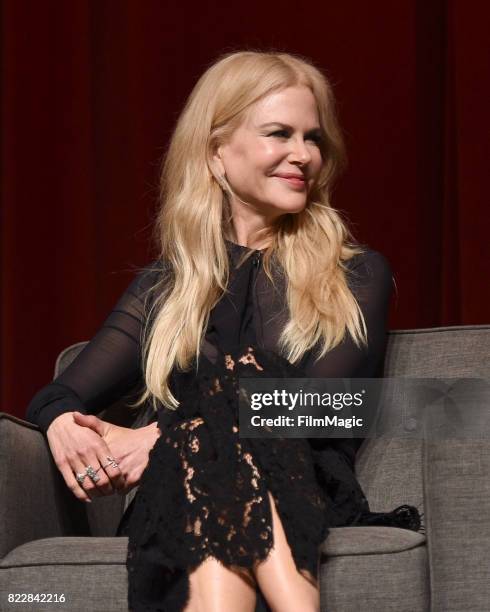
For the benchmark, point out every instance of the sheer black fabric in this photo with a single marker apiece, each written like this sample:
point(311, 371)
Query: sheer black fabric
point(205, 490)
point(110, 365)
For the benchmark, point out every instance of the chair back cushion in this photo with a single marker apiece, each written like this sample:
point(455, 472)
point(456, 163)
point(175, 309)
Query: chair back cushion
point(390, 468)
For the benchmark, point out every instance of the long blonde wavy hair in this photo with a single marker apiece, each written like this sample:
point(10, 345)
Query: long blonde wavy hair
point(311, 247)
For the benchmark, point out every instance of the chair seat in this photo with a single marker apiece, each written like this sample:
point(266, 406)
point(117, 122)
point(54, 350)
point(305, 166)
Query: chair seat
point(68, 550)
point(88, 573)
point(91, 571)
point(110, 551)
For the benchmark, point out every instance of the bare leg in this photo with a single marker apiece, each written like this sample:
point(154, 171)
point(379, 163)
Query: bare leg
point(215, 588)
point(285, 589)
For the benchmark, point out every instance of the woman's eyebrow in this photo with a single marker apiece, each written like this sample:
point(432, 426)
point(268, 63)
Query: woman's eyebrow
point(288, 127)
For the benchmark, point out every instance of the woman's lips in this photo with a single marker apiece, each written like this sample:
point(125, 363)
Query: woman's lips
point(296, 182)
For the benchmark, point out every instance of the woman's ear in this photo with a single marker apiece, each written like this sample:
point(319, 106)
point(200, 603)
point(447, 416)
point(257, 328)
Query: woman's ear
point(218, 166)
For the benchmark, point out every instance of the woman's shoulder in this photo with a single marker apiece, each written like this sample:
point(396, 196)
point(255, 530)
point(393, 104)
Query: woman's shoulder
point(369, 262)
point(146, 279)
point(369, 271)
point(151, 273)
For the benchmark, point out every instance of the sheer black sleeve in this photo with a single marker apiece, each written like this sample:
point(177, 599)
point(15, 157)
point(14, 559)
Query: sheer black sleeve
point(110, 364)
point(371, 282)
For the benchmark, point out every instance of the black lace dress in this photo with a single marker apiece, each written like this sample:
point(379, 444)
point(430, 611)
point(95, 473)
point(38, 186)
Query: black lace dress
point(205, 490)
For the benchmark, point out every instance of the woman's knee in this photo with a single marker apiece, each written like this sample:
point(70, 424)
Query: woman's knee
point(295, 606)
point(285, 589)
point(293, 598)
point(216, 588)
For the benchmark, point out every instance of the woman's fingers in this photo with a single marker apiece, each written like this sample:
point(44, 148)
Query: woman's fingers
point(89, 485)
point(113, 471)
point(91, 421)
point(78, 450)
point(111, 478)
point(97, 482)
point(71, 482)
point(105, 477)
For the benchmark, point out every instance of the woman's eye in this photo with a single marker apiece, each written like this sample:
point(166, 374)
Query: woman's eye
point(280, 134)
point(316, 138)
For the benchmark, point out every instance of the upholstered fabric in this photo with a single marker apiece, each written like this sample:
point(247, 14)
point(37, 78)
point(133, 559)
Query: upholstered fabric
point(391, 582)
point(33, 502)
point(457, 488)
point(89, 572)
point(69, 564)
point(341, 541)
point(439, 352)
point(370, 541)
point(60, 551)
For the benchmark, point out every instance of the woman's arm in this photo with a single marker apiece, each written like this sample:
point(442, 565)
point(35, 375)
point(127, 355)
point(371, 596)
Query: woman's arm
point(371, 282)
point(108, 367)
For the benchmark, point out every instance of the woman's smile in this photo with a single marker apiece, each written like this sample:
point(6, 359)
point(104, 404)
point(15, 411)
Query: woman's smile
point(296, 182)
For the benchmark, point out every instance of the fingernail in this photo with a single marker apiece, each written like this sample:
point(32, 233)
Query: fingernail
point(89, 501)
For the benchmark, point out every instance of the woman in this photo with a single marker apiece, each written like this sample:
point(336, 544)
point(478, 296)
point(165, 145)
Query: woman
point(257, 276)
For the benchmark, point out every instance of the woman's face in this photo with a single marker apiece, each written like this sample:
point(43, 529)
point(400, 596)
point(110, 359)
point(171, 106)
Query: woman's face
point(273, 158)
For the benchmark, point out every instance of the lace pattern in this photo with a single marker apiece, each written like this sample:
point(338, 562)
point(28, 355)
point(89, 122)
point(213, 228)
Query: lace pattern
point(205, 491)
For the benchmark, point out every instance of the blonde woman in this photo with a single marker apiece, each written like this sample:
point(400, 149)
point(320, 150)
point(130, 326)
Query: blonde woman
point(257, 276)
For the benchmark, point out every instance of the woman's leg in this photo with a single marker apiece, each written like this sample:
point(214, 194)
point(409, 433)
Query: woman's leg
point(215, 588)
point(285, 589)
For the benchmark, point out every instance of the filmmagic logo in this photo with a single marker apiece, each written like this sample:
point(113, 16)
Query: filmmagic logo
point(285, 399)
point(306, 420)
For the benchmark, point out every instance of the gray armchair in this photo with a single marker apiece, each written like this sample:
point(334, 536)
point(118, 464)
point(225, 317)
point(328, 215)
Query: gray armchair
point(50, 543)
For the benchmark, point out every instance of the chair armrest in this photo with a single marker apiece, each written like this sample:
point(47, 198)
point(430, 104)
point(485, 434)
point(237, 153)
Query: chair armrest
point(457, 506)
point(34, 500)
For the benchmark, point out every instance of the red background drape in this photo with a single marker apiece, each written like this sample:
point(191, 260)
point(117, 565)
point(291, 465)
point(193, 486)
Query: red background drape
point(91, 91)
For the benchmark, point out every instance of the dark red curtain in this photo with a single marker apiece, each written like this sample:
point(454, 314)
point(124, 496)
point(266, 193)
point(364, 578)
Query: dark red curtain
point(91, 90)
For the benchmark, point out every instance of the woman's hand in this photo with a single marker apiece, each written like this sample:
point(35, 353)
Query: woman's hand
point(130, 447)
point(75, 447)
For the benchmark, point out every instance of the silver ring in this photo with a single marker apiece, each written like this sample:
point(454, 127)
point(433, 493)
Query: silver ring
point(80, 478)
point(92, 474)
point(112, 463)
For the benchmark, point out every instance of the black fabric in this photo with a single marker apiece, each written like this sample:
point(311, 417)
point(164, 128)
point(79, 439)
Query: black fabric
point(205, 490)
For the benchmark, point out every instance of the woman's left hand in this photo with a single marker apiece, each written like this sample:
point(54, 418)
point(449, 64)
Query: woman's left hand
point(130, 447)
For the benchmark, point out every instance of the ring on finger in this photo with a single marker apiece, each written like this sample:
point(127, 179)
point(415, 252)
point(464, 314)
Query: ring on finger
point(112, 463)
point(92, 474)
point(80, 478)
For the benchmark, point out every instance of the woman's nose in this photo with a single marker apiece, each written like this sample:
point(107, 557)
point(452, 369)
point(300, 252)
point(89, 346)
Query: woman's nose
point(299, 151)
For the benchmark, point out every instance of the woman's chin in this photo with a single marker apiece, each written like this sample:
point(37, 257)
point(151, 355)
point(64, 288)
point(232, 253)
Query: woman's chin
point(292, 208)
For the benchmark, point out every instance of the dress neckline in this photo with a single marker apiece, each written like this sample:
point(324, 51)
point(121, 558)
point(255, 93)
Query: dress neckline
point(240, 248)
